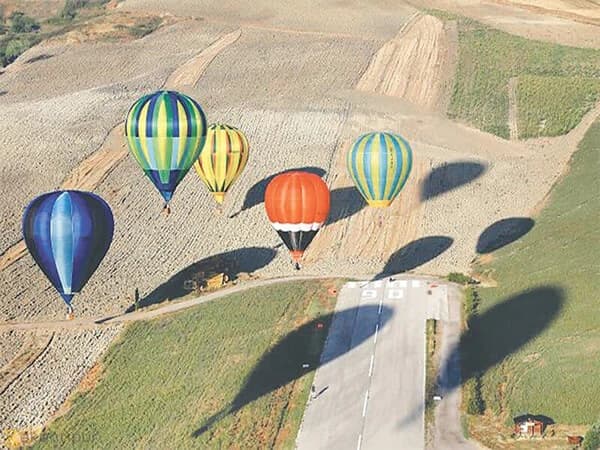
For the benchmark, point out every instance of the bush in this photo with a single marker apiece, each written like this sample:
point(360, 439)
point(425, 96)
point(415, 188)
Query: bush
point(21, 23)
point(143, 28)
point(473, 397)
point(14, 48)
point(591, 441)
point(460, 278)
point(69, 11)
point(471, 306)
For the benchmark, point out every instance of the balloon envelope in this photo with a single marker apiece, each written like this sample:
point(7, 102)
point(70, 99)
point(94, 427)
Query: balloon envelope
point(297, 204)
point(222, 159)
point(68, 233)
point(379, 164)
point(165, 134)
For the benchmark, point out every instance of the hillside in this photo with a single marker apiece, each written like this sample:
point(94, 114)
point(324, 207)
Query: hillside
point(555, 373)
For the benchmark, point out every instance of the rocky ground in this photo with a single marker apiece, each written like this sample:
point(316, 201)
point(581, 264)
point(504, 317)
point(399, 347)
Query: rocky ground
point(32, 397)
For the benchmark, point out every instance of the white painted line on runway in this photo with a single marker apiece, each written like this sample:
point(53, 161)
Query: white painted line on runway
point(376, 331)
point(380, 306)
point(359, 441)
point(378, 283)
point(371, 365)
point(416, 283)
point(365, 403)
point(399, 283)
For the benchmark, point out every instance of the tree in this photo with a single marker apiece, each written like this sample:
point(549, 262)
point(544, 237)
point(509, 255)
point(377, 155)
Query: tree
point(2, 21)
point(591, 441)
point(69, 11)
point(14, 48)
point(21, 23)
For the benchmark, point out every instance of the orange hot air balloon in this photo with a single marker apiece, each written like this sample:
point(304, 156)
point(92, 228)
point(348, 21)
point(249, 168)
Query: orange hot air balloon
point(297, 205)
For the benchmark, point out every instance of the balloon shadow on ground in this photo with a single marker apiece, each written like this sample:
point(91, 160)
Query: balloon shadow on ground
point(345, 202)
point(231, 263)
point(496, 334)
point(283, 363)
point(502, 233)
point(256, 194)
point(450, 176)
point(415, 254)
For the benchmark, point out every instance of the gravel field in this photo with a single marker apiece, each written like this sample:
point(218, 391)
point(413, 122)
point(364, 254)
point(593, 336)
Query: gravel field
point(40, 390)
point(10, 345)
point(303, 134)
point(380, 19)
point(68, 113)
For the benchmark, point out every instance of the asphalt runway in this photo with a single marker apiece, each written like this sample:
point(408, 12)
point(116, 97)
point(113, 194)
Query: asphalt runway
point(371, 382)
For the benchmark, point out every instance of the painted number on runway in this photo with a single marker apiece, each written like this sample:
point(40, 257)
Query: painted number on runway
point(369, 293)
point(395, 293)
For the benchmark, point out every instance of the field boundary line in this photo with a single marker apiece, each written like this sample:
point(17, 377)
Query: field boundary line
point(513, 111)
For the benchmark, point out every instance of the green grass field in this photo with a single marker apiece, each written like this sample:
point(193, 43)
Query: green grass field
point(554, 271)
point(556, 84)
point(226, 374)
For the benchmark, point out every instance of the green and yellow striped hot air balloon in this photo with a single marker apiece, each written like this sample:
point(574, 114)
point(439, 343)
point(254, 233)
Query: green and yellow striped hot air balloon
point(379, 164)
point(222, 159)
point(165, 133)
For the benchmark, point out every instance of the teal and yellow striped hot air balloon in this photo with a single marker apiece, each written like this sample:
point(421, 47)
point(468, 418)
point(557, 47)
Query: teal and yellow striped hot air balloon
point(222, 159)
point(379, 164)
point(165, 133)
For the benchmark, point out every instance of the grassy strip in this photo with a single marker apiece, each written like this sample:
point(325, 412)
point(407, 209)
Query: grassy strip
point(472, 398)
point(431, 371)
point(557, 84)
point(226, 374)
point(560, 254)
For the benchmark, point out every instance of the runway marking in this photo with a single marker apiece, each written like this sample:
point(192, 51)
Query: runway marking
point(399, 283)
point(376, 331)
point(380, 306)
point(371, 365)
point(395, 293)
point(416, 283)
point(365, 403)
point(359, 441)
point(378, 283)
point(369, 293)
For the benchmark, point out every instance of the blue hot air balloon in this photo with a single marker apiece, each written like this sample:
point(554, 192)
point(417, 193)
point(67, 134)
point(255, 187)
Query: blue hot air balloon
point(68, 233)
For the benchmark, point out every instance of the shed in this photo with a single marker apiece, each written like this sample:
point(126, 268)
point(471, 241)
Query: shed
point(529, 425)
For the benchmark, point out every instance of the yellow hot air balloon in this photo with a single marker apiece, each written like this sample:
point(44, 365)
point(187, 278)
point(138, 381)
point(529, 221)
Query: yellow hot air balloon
point(222, 159)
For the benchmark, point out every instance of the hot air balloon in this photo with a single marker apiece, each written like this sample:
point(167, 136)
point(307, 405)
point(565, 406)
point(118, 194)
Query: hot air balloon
point(165, 133)
point(379, 164)
point(67, 234)
point(222, 159)
point(297, 204)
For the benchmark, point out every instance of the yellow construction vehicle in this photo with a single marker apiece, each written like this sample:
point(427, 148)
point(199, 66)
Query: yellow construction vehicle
point(210, 274)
